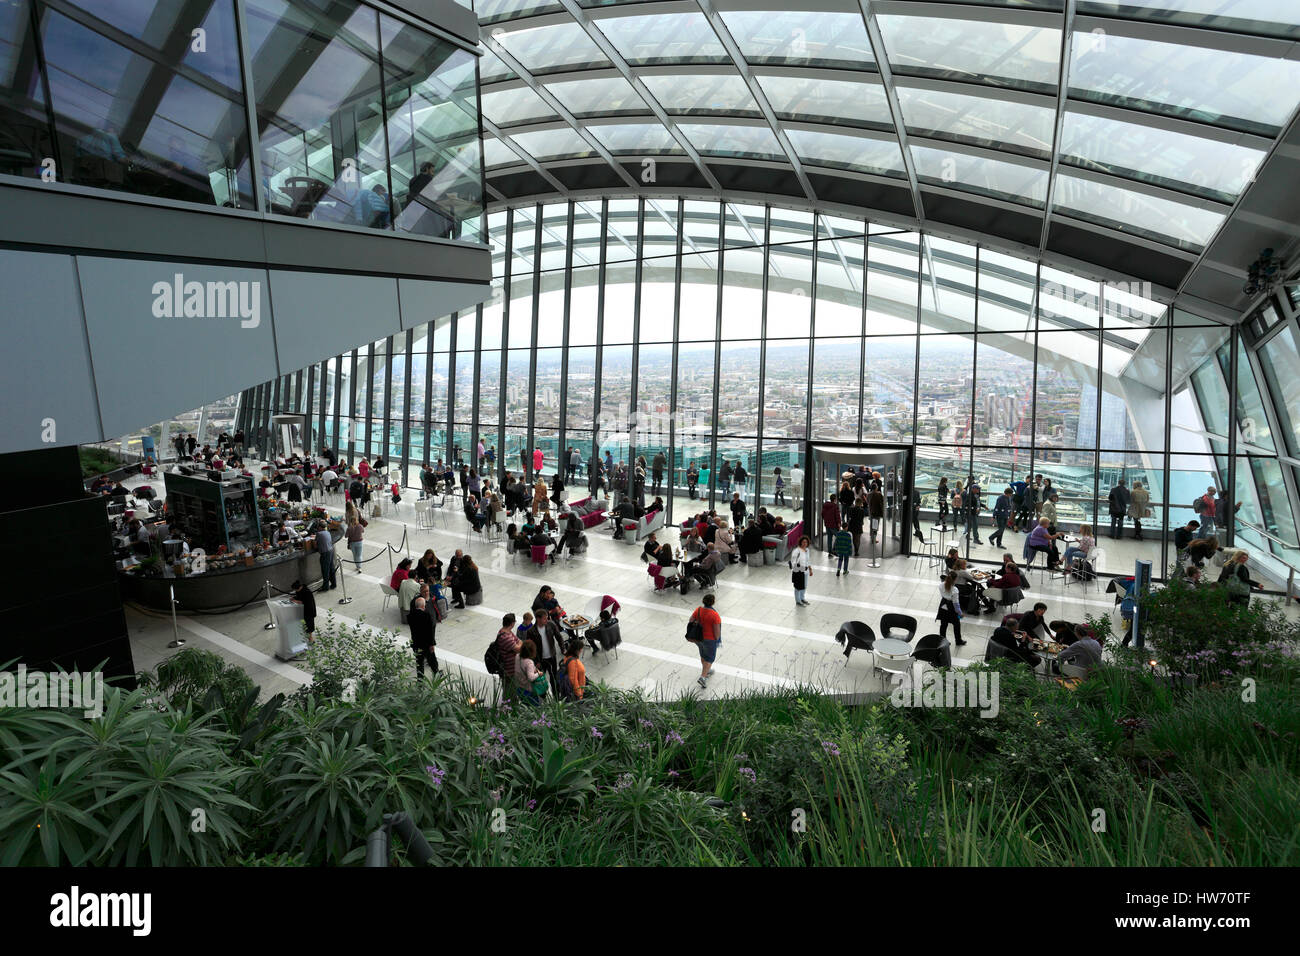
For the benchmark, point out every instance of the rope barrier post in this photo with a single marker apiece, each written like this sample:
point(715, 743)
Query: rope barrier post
point(406, 540)
point(388, 550)
point(176, 638)
point(344, 578)
point(270, 624)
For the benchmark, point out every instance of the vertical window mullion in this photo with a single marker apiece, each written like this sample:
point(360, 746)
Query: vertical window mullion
point(717, 348)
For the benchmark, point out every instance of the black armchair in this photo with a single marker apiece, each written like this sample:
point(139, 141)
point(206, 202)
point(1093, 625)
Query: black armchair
point(934, 650)
point(899, 627)
point(855, 635)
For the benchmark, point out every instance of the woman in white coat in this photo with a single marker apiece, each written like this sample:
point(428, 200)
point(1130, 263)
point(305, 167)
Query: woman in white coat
point(800, 571)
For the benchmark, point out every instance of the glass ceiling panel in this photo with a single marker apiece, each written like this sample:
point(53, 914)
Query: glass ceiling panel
point(635, 138)
point(813, 100)
point(608, 3)
point(492, 69)
point(977, 174)
point(800, 38)
point(497, 153)
point(1162, 219)
point(489, 10)
point(603, 95)
point(506, 107)
point(553, 144)
point(692, 93)
point(664, 38)
point(1209, 168)
point(1252, 93)
point(556, 47)
point(1267, 17)
point(1008, 54)
point(848, 152)
point(977, 119)
point(750, 142)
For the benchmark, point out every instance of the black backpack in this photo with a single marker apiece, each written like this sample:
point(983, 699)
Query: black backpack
point(492, 658)
point(1198, 505)
point(564, 686)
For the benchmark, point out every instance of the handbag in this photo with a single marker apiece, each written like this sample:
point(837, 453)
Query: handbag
point(694, 631)
point(797, 578)
point(540, 686)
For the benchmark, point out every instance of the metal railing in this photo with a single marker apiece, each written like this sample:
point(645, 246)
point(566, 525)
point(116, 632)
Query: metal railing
point(1291, 568)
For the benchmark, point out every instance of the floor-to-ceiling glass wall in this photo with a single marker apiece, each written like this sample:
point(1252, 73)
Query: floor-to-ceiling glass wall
point(745, 330)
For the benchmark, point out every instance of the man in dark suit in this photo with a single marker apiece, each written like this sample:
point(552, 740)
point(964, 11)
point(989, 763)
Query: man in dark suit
point(422, 637)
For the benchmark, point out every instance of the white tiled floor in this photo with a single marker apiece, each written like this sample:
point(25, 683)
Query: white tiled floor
point(767, 640)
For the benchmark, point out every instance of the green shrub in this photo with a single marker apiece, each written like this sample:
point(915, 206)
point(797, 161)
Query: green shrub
point(191, 673)
point(96, 461)
point(1185, 776)
point(1195, 631)
point(359, 658)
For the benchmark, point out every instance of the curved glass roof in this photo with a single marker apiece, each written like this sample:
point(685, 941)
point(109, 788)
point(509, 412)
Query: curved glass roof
point(1143, 121)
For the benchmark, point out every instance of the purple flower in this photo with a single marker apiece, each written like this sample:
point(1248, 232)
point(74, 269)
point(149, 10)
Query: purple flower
point(597, 734)
point(649, 725)
point(494, 748)
point(532, 804)
point(672, 737)
point(435, 774)
point(749, 774)
point(543, 721)
point(673, 773)
point(830, 748)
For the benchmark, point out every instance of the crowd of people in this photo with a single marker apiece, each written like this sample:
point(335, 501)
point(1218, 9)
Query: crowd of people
point(864, 499)
point(543, 654)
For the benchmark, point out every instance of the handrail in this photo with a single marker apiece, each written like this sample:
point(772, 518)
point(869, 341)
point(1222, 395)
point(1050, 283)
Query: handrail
point(1257, 530)
point(1293, 570)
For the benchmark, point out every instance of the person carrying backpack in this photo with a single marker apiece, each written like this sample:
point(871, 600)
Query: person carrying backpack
point(501, 655)
point(571, 680)
point(1207, 507)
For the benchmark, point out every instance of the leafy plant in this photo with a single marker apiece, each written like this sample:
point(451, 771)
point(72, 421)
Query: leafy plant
point(361, 657)
point(552, 776)
point(1195, 631)
point(191, 673)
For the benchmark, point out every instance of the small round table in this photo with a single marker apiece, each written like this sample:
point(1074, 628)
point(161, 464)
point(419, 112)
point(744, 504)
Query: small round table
point(893, 649)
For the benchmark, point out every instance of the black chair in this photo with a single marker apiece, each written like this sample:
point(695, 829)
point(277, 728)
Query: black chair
point(1011, 597)
point(934, 650)
point(899, 627)
point(994, 651)
point(855, 635)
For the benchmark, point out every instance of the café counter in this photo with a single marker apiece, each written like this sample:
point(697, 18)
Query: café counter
point(224, 588)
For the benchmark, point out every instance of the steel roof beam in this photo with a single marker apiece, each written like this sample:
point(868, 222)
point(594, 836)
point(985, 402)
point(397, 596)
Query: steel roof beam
point(615, 57)
point(1062, 97)
point(756, 91)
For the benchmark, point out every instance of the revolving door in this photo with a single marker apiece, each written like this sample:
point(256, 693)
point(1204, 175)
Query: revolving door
point(830, 464)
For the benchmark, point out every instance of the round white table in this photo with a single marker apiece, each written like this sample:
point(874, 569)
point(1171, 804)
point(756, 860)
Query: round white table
point(893, 649)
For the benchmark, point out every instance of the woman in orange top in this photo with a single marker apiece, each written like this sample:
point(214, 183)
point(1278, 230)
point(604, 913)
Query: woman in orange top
point(574, 667)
